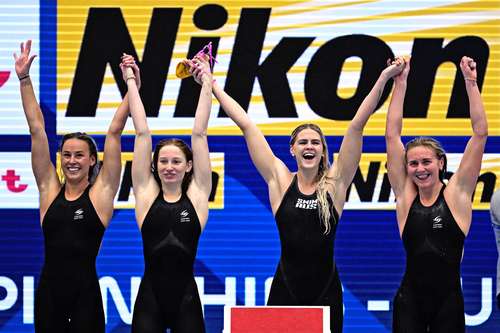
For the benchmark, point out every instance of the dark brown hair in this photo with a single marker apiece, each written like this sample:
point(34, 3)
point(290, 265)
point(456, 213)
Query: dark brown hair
point(93, 170)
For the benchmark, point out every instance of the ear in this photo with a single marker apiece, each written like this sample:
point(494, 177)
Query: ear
point(441, 164)
point(92, 160)
point(291, 151)
point(189, 166)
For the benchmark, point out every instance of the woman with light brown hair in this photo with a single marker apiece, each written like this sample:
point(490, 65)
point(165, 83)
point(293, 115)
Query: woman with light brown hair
point(433, 218)
point(171, 191)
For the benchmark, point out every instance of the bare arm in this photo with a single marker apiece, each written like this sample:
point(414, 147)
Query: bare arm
point(108, 180)
point(396, 167)
point(350, 150)
point(268, 165)
point(202, 170)
point(470, 165)
point(143, 182)
point(43, 169)
point(141, 164)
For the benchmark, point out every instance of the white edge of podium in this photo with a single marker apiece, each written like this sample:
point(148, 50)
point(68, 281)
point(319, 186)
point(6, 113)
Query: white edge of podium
point(227, 315)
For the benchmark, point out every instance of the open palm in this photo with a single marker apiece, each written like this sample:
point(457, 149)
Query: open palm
point(24, 60)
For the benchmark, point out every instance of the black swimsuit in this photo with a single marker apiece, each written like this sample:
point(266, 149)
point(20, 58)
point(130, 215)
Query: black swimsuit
point(306, 274)
point(168, 296)
point(68, 297)
point(430, 296)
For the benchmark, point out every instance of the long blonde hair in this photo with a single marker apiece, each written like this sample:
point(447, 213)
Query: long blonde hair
point(324, 211)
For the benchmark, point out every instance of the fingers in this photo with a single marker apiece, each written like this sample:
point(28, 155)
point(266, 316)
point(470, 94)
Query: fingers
point(28, 46)
point(468, 63)
point(15, 56)
point(30, 60)
point(22, 47)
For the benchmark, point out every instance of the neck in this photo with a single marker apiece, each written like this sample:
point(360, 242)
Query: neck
point(307, 181)
point(171, 192)
point(429, 195)
point(73, 190)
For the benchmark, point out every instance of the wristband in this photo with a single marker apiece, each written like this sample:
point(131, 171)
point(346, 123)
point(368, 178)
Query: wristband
point(23, 77)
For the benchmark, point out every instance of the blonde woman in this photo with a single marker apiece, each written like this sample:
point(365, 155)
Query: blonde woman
point(307, 204)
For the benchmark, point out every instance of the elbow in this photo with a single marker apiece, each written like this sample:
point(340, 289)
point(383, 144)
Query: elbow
point(481, 132)
point(37, 130)
point(115, 131)
point(392, 136)
point(143, 132)
point(198, 132)
point(480, 128)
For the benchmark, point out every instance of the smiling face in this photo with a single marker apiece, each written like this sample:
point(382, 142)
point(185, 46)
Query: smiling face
point(424, 166)
point(308, 148)
point(172, 165)
point(76, 160)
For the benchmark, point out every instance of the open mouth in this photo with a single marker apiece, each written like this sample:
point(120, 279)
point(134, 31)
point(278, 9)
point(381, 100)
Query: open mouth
point(308, 156)
point(423, 176)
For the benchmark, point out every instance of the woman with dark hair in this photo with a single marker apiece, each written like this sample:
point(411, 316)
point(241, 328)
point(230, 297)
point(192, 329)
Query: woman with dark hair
point(171, 197)
point(307, 204)
point(433, 218)
point(74, 212)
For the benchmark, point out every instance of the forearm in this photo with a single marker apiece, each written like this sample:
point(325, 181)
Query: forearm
point(137, 109)
point(203, 110)
point(394, 123)
point(232, 108)
point(120, 118)
point(369, 104)
point(31, 107)
point(477, 114)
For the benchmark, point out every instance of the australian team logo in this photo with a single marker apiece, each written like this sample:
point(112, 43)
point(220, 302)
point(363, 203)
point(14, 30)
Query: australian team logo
point(78, 215)
point(436, 223)
point(184, 216)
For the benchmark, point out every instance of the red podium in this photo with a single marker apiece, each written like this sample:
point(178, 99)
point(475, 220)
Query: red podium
point(276, 319)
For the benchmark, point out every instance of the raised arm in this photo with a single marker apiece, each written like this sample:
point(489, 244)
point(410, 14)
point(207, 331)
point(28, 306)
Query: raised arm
point(108, 180)
point(396, 166)
point(202, 171)
point(43, 169)
point(465, 177)
point(142, 178)
point(350, 150)
point(268, 165)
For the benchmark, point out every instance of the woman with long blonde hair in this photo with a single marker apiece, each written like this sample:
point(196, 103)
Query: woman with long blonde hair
point(307, 204)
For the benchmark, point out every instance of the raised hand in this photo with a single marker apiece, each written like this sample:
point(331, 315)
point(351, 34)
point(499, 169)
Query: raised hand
point(24, 60)
point(395, 67)
point(468, 67)
point(128, 61)
point(401, 77)
point(199, 67)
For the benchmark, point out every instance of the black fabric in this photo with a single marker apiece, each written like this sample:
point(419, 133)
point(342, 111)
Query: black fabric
point(306, 273)
point(68, 297)
point(168, 296)
point(430, 296)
